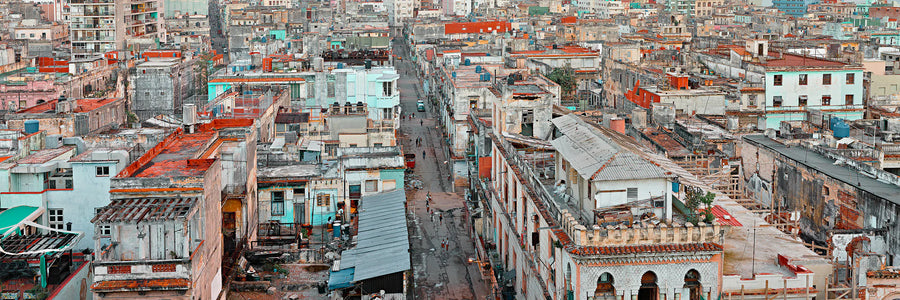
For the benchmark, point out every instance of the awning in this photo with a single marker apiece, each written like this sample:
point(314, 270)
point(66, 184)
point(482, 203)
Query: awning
point(340, 279)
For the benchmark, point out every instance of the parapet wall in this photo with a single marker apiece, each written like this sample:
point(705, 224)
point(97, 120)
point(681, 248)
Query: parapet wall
point(642, 234)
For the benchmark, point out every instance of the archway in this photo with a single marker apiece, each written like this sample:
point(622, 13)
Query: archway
point(649, 290)
point(692, 284)
point(605, 287)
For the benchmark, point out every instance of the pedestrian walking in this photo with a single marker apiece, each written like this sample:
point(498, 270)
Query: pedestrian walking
point(423, 153)
point(441, 217)
point(432, 218)
point(420, 122)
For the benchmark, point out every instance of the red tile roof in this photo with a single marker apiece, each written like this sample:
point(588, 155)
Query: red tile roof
point(82, 105)
point(654, 248)
point(792, 60)
point(142, 285)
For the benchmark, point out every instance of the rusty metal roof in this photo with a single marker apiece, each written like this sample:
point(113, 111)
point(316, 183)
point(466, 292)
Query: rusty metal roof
point(141, 209)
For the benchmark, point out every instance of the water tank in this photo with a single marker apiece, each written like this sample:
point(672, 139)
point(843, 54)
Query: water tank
point(453, 74)
point(617, 125)
point(477, 68)
point(841, 130)
point(368, 64)
point(340, 65)
point(32, 126)
point(487, 76)
point(468, 62)
point(834, 121)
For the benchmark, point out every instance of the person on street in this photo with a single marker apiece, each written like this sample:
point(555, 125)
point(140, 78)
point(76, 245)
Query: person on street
point(423, 154)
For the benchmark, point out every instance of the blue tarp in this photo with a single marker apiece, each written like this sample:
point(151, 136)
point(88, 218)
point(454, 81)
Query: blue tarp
point(340, 279)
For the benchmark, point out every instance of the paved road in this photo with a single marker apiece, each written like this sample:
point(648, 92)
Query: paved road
point(439, 273)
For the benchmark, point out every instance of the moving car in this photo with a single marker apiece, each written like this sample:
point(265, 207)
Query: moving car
point(420, 105)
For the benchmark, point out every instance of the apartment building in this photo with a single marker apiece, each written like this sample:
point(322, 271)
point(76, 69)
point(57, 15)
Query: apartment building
point(100, 26)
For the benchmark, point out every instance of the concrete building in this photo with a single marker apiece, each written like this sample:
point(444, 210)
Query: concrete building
point(51, 178)
point(161, 86)
point(399, 11)
point(195, 190)
point(827, 196)
point(56, 33)
point(794, 84)
point(792, 7)
point(97, 27)
point(70, 118)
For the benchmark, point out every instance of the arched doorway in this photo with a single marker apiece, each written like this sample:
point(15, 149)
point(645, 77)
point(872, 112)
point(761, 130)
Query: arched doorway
point(605, 287)
point(649, 290)
point(692, 284)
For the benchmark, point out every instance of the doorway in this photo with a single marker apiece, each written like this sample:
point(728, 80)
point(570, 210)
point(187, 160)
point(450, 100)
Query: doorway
point(649, 290)
point(692, 284)
point(605, 289)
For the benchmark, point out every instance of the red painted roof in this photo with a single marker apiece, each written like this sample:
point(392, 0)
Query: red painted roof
point(724, 218)
point(82, 105)
point(791, 60)
point(142, 284)
point(477, 27)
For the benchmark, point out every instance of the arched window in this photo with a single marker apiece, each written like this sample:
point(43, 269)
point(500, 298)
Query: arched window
point(649, 290)
point(692, 283)
point(605, 287)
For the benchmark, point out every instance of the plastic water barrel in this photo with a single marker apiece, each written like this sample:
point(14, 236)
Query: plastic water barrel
point(32, 126)
point(841, 130)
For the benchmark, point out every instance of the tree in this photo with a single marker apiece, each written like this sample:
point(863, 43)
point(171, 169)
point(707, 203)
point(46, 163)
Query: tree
point(695, 197)
point(565, 78)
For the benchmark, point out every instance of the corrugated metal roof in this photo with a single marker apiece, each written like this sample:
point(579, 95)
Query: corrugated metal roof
point(383, 239)
point(595, 157)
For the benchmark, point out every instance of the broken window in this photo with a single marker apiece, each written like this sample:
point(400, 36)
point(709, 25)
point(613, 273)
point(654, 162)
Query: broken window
point(527, 123)
point(803, 100)
point(804, 79)
point(778, 80)
point(776, 101)
point(278, 203)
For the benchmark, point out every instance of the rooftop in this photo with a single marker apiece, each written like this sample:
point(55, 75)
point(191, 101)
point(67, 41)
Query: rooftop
point(827, 166)
point(141, 285)
point(11, 217)
point(383, 240)
point(599, 158)
point(45, 155)
point(82, 105)
point(141, 209)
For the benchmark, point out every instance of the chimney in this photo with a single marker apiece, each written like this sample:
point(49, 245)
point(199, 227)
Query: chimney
point(189, 117)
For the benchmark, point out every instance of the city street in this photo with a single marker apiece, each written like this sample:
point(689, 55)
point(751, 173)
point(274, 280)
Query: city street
point(440, 273)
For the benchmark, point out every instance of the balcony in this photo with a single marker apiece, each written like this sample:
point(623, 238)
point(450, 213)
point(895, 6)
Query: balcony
point(93, 39)
point(125, 276)
point(92, 2)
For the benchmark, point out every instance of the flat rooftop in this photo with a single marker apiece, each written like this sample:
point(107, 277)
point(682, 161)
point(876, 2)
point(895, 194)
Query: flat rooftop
point(826, 166)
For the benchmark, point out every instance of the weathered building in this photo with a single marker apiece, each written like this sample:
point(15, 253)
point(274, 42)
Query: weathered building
point(72, 117)
point(161, 86)
point(828, 196)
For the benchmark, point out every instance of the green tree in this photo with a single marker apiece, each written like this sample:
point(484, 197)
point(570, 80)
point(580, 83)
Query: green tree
point(565, 78)
point(695, 198)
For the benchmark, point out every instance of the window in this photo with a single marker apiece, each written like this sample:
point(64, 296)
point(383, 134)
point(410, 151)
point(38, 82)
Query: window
point(776, 101)
point(804, 79)
point(278, 203)
point(632, 194)
point(848, 100)
point(371, 185)
point(851, 78)
point(388, 88)
point(56, 218)
point(826, 79)
point(777, 81)
point(826, 99)
point(103, 171)
point(323, 200)
point(751, 100)
point(51, 184)
point(299, 193)
point(804, 99)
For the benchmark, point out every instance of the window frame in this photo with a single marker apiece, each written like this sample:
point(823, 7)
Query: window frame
point(55, 219)
point(778, 80)
point(102, 171)
point(826, 79)
point(803, 79)
point(826, 100)
point(273, 210)
point(851, 78)
point(777, 101)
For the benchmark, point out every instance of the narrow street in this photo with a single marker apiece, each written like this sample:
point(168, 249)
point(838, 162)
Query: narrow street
point(439, 273)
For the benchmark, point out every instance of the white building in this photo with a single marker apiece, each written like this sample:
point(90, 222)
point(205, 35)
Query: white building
point(400, 10)
point(100, 26)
